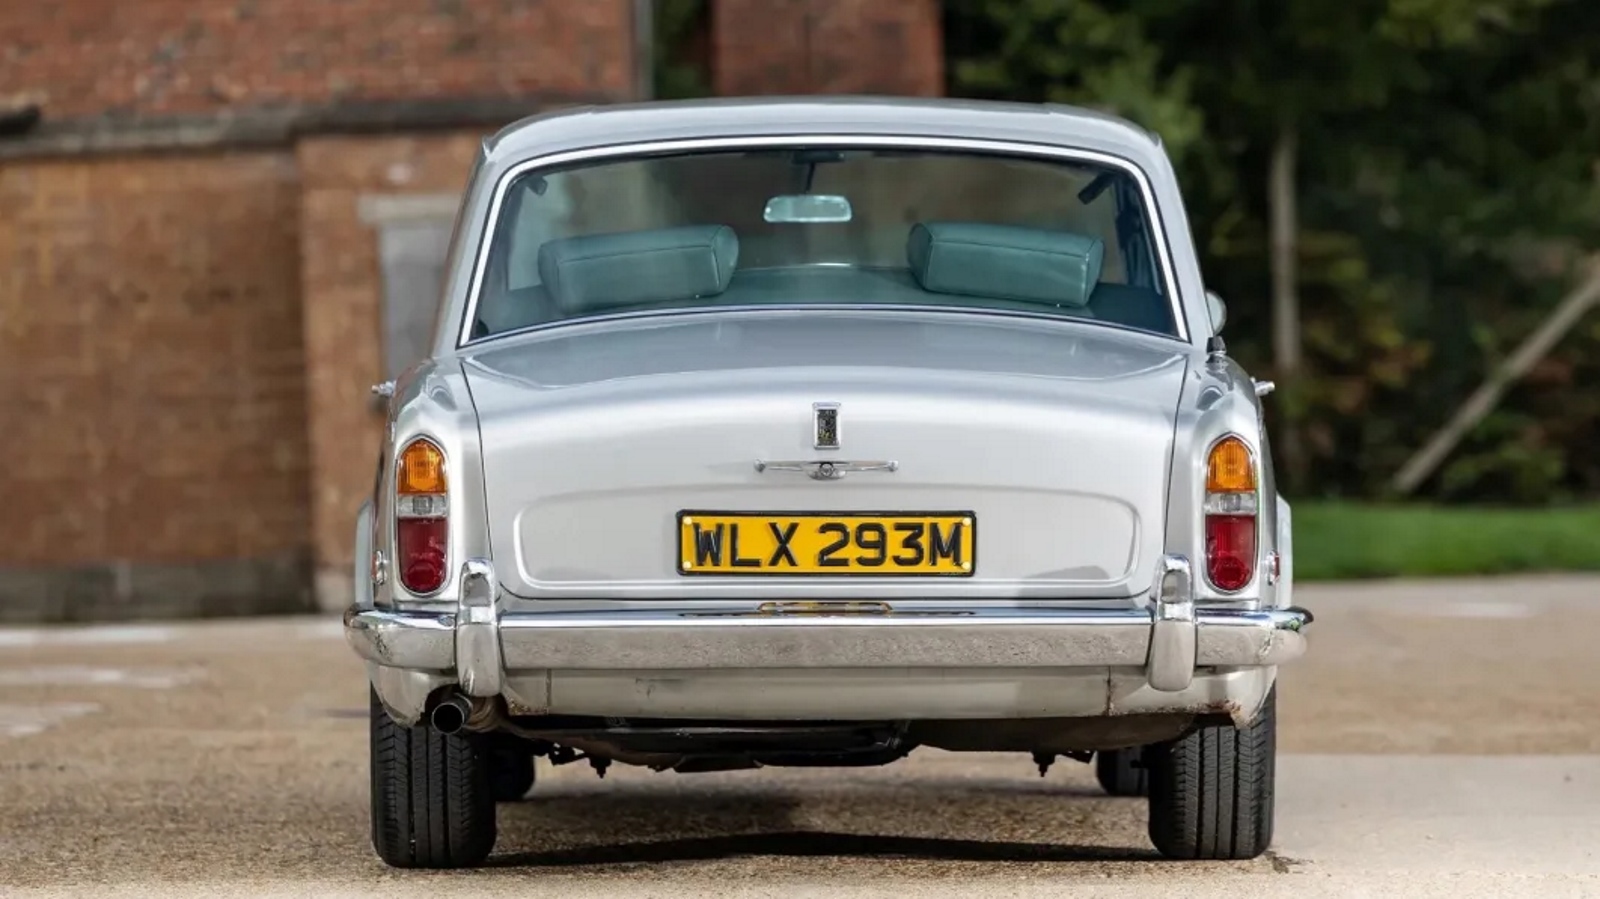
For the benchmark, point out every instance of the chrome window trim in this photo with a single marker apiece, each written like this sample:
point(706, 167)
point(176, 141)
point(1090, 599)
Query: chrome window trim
point(647, 148)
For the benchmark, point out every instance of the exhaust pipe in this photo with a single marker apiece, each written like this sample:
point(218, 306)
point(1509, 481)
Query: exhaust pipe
point(451, 714)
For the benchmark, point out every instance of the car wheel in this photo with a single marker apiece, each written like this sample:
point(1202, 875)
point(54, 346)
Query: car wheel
point(1121, 771)
point(1211, 791)
point(432, 805)
point(510, 771)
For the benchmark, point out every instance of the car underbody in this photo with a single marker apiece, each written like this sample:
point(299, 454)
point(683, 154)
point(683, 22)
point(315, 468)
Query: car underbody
point(688, 746)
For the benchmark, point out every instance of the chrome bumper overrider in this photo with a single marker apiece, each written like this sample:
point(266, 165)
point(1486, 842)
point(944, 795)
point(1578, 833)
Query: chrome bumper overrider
point(1169, 638)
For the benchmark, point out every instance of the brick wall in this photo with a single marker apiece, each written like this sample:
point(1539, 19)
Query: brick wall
point(187, 336)
point(162, 57)
point(827, 46)
point(186, 440)
point(153, 373)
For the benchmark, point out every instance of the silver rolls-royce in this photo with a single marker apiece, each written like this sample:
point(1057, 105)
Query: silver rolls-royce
point(811, 432)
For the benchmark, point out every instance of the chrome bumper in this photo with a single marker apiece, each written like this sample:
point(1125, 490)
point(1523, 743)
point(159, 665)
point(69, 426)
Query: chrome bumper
point(1168, 638)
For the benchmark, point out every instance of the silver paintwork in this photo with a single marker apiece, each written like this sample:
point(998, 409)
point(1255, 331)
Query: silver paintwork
point(1080, 447)
point(1049, 432)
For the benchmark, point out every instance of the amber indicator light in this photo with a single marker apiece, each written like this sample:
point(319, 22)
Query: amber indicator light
point(421, 469)
point(1230, 468)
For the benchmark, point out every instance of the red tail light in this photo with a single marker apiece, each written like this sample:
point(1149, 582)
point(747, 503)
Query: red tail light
point(422, 522)
point(1230, 515)
point(422, 552)
point(1230, 550)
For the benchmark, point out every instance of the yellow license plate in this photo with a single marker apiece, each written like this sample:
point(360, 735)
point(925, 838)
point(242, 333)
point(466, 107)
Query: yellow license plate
point(847, 543)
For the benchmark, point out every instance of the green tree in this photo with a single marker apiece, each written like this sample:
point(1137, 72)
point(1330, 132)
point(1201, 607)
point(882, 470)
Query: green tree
point(1408, 180)
point(680, 60)
point(1082, 52)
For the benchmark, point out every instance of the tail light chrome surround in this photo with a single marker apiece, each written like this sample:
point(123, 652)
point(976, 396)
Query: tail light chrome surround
point(1230, 524)
point(421, 518)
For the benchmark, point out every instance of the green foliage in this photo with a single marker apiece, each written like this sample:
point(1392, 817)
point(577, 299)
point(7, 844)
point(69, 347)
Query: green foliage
point(1072, 51)
point(1447, 186)
point(680, 68)
point(1336, 541)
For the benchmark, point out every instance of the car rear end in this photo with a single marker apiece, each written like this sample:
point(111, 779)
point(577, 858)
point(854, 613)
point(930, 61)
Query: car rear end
point(673, 546)
point(668, 506)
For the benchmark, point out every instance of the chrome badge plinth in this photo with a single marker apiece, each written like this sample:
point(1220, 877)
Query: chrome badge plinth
point(826, 471)
point(825, 426)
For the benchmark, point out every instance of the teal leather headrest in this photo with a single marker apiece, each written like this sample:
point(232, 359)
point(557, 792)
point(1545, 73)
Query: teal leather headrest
point(1005, 262)
point(599, 271)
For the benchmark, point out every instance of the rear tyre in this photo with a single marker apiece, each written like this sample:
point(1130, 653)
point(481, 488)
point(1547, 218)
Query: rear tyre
point(432, 800)
point(1121, 772)
point(1211, 792)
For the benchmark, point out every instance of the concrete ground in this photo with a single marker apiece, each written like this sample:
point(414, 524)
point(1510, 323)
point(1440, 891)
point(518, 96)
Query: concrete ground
point(1440, 739)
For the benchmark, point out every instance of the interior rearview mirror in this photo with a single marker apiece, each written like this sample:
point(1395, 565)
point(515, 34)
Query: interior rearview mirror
point(807, 209)
point(1218, 310)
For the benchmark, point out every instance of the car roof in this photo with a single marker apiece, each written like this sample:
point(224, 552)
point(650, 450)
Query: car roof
point(577, 128)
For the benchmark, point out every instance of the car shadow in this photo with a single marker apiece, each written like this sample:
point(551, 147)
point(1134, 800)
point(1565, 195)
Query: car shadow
point(806, 844)
point(652, 828)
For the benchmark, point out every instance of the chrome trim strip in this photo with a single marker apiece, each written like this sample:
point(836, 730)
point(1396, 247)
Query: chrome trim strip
point(1010, 148)
point(826, 470)
point(1009, 315)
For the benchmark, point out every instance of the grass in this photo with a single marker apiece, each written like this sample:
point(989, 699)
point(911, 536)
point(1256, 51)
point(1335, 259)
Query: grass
point(1347, 541)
